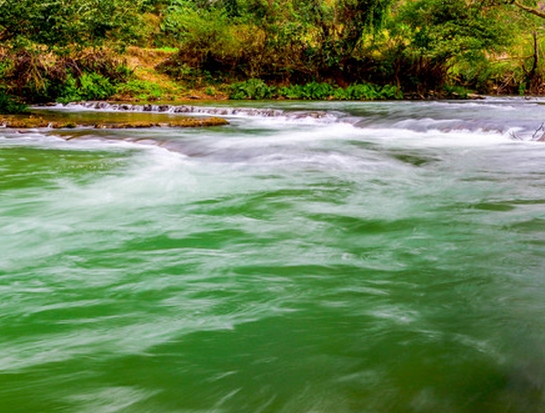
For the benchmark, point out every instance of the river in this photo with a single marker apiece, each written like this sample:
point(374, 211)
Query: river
point(310, 257)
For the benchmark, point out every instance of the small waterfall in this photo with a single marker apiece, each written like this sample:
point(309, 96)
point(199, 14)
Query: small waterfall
point(320, 115)
point(164, 108)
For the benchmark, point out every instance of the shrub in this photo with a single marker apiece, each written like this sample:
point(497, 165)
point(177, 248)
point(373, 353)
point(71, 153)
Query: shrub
point(456, 92)
point(254, 89)
point(391, 92)
point(69, 91)
point(257, 89)
point(95, 86)
point(90, 86)
point(10, 105)
point(366, 91)
point(290, 92)
point(309, 91)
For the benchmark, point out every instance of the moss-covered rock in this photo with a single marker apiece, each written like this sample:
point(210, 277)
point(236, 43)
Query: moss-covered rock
point(31, 122)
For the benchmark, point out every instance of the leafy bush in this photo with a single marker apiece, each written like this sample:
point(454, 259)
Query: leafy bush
point(10, 105)
point(75, 22)
point(456, 92)
point(366, 91)
point(70, 91)
point(290, 92)
point(391, 92)
point(94, 86)
point(309, 91)
point(210, 91)
point(257, 89)
point(202, 34)
point(254, 89)
point(441, 42)
point(38, 77)
point(90, 86)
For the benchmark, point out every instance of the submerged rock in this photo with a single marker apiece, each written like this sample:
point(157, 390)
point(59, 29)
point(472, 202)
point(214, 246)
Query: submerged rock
point(31, 122)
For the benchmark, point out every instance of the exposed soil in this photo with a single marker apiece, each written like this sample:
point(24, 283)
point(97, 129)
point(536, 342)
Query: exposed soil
point(144, 62)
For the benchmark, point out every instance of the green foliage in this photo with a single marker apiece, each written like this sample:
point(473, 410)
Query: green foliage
point(424, 47)
point(284, 40)
point(140, 89)
point(456, 92)
point(360, 92)
point(210, 91)
point(37, 77)
point(90, 86)
point(251, 89)
point(438, 37)
point(419, 45)
point(366, 91)
point(428, 44)
point(257, 89)
point(70, 91)
point(444, 29)
point(62, 23)
point(290, 92)
point(167, 49)
point(10, 105)
point(308, 91)
point(94, 86)
point(200, 31)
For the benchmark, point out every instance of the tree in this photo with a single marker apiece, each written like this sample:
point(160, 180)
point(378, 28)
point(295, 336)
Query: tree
point(281, 40)
point(67, 22)
point(446, 33)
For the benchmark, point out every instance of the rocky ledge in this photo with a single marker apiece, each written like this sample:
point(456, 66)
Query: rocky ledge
point(30, 122)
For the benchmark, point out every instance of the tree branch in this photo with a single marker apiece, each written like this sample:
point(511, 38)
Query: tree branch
point(532, 10)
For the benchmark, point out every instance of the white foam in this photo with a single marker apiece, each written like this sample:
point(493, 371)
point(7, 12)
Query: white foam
point(435, 138)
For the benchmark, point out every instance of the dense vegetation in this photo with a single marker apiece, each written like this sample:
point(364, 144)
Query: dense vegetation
point(256, 49)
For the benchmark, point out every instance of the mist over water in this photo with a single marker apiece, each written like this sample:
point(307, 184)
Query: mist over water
point(309, 257)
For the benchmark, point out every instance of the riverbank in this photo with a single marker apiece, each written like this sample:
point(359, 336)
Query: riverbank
point(154, 75)
point(158, 76)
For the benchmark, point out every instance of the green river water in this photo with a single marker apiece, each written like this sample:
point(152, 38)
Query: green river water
point(315, 258)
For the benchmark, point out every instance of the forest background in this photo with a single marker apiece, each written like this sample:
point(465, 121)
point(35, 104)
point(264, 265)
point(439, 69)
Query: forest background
point(73, 50)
